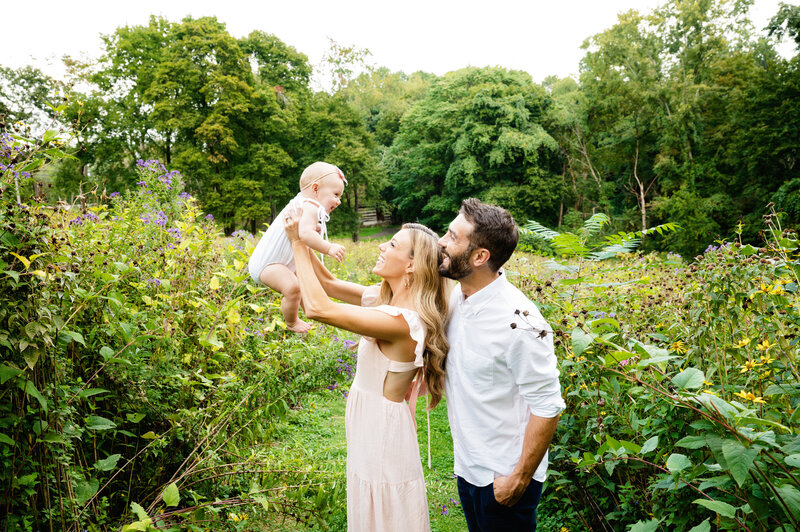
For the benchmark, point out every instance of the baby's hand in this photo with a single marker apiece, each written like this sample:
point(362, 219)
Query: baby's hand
point(336, 251)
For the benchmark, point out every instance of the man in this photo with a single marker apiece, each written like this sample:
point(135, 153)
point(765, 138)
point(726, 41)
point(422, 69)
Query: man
point(503, 393)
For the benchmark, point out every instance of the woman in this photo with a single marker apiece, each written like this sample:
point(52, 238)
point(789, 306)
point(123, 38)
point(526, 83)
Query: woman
point(402, 336)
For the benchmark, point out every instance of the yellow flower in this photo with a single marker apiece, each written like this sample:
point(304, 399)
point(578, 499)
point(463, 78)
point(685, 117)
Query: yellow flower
point(766, 359)
point(583, 387)
point(742, 343)
point(749, 366)
point(564, 529)
point(602, 412)
point(750, 397)
point(777, 291)
point(765, 288)
point(763, 346)
point(679, 347)
point(710, 392)
point(708, 383)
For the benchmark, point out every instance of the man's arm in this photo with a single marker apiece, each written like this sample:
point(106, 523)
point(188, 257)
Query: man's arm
point(538, 434)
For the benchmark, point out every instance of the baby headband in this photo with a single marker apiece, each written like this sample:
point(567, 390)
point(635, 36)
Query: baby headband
point(336, 172)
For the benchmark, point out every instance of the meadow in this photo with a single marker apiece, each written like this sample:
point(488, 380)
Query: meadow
point(148, 384)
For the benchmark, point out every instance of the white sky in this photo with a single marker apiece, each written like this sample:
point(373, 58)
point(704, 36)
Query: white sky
point(541, 37)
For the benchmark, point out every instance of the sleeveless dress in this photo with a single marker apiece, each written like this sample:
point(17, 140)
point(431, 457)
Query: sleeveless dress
point(385, 484)
point(274, 247)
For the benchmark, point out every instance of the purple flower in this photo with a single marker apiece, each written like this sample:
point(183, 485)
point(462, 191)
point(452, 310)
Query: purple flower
point(141, 184)
point(444, 509)
point(113, 195)
point(210, 217)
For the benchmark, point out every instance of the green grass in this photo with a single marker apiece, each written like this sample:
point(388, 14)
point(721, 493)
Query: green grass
point(314, 435)
point(367, 232)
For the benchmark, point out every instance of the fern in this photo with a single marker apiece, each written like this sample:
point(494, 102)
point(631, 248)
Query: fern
point(594, 225)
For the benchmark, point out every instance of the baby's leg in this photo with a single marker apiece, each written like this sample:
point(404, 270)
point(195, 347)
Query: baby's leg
point(280, 278)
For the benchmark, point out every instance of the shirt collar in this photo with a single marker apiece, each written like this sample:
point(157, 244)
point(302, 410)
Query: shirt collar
point(474, 303)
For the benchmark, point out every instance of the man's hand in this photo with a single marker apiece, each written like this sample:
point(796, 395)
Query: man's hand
point(336, 251)
point(509, 490)
point(291, 224)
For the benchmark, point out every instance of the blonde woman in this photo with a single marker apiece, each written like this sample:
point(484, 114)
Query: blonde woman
point(403, 337)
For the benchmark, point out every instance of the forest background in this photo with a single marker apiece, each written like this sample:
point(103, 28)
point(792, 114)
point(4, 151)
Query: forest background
point(684, 114)
point(145, 383)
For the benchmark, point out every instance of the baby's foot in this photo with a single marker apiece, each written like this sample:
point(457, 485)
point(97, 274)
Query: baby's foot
point(299, 326)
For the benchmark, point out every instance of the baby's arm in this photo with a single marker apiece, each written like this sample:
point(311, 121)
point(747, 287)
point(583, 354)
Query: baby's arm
point(311, 238)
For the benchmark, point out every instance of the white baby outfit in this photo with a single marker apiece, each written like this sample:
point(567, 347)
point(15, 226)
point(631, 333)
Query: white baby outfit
point(274, 247)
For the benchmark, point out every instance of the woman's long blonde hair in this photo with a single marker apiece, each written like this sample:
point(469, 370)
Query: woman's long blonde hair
point(429, 292)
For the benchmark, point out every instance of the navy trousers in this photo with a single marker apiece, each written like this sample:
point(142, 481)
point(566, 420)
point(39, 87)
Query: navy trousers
point(485, 514)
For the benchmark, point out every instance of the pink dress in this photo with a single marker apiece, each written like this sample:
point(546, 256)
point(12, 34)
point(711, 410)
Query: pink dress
point(385, 485)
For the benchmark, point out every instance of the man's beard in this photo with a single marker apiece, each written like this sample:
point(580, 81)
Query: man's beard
point(459, 265)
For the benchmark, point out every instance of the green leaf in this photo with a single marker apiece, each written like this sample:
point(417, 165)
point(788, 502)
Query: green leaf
point(791, 496)
point(715, 404)
point(645, 526)
point(106, 352)
point(5, 439)
point(85, 490)
point(108, 464)
point(722, 508)
point(705, 526)
point(690, 378)
point(171, 495)
point(793, 460)
point(649, 445)
point(783, 389)
point(99, 423)
point(134, 418)
point(739, 458)
point(52, 437)
point(91, 391)
point(139, 511)
point(581, 340)
point(31, 390)
point(50, 134)
point(747, 250)
point(7, 372)
point(678, 462)
point(691, 442)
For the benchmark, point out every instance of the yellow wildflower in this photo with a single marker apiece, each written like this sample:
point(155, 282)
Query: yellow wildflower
point(766, 359)
point(708, 383)
point(777, 291)
point(749, 366)
point(583, 386)
point(679, 347)
point(742, 343)
point(763, 346)
point(750, 396)
point(602, 412)
point(710, 392)
point(564, 529)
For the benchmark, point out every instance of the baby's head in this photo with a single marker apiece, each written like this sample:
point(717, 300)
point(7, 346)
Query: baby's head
point(323, 182)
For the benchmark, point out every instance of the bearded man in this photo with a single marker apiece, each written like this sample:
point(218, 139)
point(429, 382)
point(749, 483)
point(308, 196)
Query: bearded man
point(501, 381)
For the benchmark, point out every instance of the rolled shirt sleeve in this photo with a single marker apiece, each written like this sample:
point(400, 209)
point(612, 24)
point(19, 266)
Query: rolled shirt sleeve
point(533, 364)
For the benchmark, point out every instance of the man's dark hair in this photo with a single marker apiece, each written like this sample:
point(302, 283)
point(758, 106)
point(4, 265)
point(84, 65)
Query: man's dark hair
point(494, 229)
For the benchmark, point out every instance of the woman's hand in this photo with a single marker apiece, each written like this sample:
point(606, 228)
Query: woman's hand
point(291, 224)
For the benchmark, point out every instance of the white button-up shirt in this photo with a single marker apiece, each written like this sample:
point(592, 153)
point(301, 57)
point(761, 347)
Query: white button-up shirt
point(495, 378)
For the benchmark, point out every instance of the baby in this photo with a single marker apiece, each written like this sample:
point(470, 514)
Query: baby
point(272, 261)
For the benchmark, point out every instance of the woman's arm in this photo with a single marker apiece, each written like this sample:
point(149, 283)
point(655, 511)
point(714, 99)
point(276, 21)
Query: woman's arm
point(319, 307)
point(336, 288)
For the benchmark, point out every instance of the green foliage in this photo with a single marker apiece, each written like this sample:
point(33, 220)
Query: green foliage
point(680, 384)
point(137, 362)
point(477, 132)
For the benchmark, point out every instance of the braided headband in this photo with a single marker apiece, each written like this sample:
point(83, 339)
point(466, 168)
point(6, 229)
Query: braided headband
point(320, 178)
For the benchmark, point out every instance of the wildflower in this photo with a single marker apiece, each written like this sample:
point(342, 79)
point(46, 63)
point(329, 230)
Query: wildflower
point(750, 396)
point(777, 291)
point(210, 217)
point(742, 343)
point(679, 347)
point(444, 509)
point(763, 346)
point(113, 195)
point(563, 529)
point(766, 359)
point(749, 366)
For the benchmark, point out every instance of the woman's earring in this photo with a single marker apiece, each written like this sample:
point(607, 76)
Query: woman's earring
point(407, 281)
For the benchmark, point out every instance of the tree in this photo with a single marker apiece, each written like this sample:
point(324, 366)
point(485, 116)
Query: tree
point(477, 132)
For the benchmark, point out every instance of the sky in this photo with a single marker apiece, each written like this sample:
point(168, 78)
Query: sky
point(540, 37)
